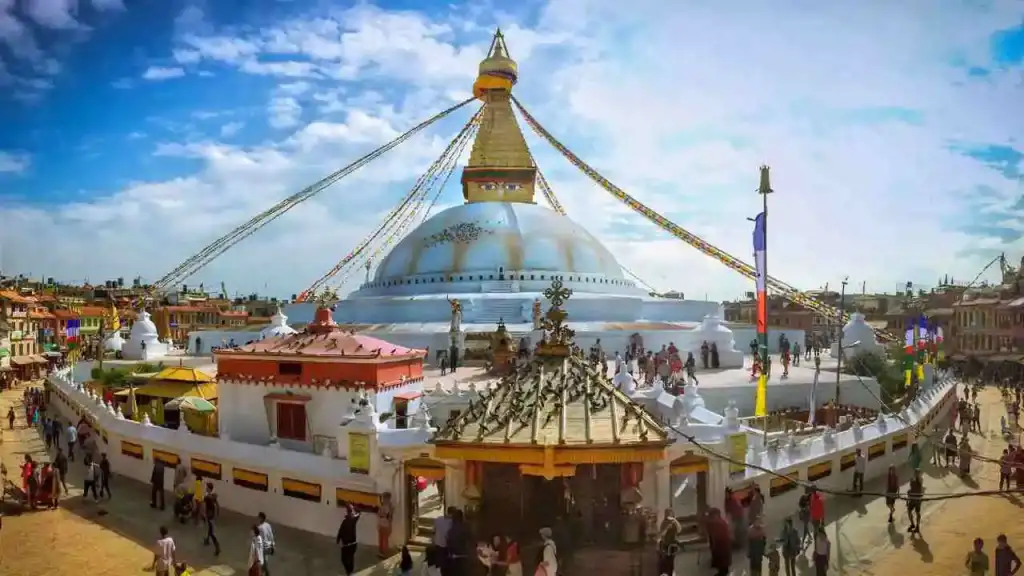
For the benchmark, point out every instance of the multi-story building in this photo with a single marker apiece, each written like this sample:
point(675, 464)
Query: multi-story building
point(176, 322)
point(23, 333)
point(92, 318)
point(62, 317)
point(988, 323)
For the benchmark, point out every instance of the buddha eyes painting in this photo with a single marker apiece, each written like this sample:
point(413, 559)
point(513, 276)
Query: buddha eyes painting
point(489, 186)
point(512, 187)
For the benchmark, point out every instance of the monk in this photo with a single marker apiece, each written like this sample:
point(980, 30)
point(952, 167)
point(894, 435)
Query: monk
point(720, 542)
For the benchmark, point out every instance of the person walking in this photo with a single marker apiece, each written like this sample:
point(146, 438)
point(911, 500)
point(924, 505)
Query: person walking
point(792, 546)
point(385, 515)
point(60, 463)
point(1005, 469)
point(105, 476)
point(211, 510)
point(757, 545)
point(822, 552)
point(72, 440)
point(346, 538)
point(892, 492)
point(267, 536)
point(256, 553)
point(1007, 561)
point(915, 492)
point(164, 554)
point(977, 562)
point(92, 477)
point(860, 464)
point(156, 484)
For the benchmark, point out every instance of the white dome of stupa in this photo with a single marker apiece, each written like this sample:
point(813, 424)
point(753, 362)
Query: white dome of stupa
point(278, 326)
point(858, 338)
point(113, 343)
point(143, 326)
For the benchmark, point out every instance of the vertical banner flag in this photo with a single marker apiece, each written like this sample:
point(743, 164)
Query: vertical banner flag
point(760, 262)
point(922, 338)
point(940, 354)
point(813, 401)
point(908, 357)
point(115, 321)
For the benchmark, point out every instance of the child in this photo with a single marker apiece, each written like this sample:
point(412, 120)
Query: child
point(773, 559)
point(181, 569)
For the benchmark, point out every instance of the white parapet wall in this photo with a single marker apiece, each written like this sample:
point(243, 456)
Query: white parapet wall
point(296, 489)
point(827, 459)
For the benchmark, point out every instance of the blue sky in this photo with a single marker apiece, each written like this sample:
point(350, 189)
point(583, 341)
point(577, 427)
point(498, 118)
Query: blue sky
point(134, 133)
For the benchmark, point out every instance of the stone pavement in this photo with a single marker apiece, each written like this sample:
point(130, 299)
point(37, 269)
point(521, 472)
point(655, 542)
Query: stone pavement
point(116, 537)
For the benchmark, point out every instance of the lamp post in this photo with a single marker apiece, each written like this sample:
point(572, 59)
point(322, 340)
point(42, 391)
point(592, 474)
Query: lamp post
point(839, 350)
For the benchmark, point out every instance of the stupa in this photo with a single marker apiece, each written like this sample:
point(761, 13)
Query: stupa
point(144, 342)
point(496, 253)
point(712, 331)
point(278, 326)
point(858, 338)
point(114, 343)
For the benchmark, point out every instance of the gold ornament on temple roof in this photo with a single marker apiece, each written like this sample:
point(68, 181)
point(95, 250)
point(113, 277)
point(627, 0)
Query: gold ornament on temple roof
point(557, 340)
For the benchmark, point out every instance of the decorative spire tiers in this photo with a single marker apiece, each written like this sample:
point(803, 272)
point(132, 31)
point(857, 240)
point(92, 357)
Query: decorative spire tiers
point(500, 167)
point(554, 413)
point(278, 326)
point(858, 338)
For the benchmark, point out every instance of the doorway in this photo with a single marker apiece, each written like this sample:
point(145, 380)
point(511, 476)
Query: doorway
point(424, 498)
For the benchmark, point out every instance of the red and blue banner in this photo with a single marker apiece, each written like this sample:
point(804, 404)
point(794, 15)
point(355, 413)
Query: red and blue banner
point(761, 273)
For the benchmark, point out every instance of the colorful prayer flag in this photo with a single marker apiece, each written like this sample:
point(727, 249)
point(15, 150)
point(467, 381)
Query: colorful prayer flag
point(760, 265)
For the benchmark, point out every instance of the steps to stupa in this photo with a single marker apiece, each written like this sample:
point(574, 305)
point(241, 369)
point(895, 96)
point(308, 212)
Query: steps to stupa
point(491, 310)
point(499, 287)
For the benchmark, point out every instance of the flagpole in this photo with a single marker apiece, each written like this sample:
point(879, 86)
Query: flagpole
point(764, 189)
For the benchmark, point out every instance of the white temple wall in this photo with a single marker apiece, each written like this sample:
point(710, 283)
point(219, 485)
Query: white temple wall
point(673, 310)
point(782, 396)
point(330, 473)
point(246, 417)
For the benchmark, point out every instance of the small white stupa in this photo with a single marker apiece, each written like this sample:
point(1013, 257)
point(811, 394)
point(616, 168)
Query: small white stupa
point(858, 338)
point(144, 342)
point(278, 326)
point(114, 343)
point(712, 331)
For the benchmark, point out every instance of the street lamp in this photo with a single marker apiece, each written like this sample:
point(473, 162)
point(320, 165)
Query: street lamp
point(839, 348)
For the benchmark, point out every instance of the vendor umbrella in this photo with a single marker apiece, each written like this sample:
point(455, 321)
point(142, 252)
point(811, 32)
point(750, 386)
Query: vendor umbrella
point(193, 403)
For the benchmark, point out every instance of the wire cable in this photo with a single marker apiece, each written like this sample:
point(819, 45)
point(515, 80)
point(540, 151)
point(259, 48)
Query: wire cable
point(184, 270)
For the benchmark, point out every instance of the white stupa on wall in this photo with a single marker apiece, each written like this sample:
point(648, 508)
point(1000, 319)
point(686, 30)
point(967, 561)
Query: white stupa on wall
point(144, 342)
point(278, 326)
point(114, 343)
point(858, 338)
point(712, 331)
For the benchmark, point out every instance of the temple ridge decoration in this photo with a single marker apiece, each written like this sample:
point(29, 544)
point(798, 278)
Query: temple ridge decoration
point(557, 340)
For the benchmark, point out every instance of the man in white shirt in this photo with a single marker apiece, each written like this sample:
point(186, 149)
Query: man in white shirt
point(549, 555)
point(267, 535)
point(163, 555)
point(72, 439)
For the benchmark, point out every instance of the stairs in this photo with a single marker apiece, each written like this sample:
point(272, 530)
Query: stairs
point(491, 310)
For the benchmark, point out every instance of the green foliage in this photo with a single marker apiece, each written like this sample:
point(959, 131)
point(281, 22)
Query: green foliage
point(117, 377)
point(888, 374)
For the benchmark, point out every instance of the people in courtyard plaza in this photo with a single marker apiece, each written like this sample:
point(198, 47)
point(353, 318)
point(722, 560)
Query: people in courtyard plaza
point(720, 542)
point(257, 552)
point(951, 447)
point(385, 515)
point(156, 484)
point(668, 542)
point(210, 513)
point(60, 463)
point(1005, 469)
point(72, 440)
point(10, 418)
point(915, 492)
point(860, 463)
point(267, 537)
point(705, 355)
point(822, 551)
point(757, 546)
point(737, 518)
point(965, 457)
point(347, 539)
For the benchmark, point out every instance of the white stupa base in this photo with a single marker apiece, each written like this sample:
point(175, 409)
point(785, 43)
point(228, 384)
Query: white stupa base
point(114, 343)
point(153, 350)
point(728, 358)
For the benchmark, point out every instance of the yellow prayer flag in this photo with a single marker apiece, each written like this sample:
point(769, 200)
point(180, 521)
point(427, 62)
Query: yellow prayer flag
point(761, 403)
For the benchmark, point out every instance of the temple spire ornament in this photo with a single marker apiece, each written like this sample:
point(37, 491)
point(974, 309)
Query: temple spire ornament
point(558, 336)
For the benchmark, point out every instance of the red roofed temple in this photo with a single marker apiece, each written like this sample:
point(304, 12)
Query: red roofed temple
point(297, 387)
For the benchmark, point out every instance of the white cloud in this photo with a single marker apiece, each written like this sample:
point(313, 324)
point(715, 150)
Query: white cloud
point(56, 14)
point(105, 5)
point(854, 107)
point(14, 162)
point(283, 112)
point(231, 128)
point(161, 73)
point(184, 56)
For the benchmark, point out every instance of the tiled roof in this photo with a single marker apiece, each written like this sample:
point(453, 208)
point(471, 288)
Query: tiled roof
point(14, 297)
point(65, 314)
point(183, 374)
point(554, 401)
point(337, 343)
point(94, 311)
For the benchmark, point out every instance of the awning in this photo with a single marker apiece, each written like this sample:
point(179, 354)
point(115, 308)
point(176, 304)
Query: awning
point(412, 395)
point(40, 360)
point(22, 361)
point(288, 397)
point(170, 390)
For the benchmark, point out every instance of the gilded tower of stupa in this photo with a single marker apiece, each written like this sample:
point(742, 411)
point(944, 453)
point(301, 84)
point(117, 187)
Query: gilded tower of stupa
point(500, 167)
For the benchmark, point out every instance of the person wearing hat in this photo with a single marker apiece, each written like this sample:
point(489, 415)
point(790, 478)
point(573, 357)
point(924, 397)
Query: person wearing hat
point(547, 563)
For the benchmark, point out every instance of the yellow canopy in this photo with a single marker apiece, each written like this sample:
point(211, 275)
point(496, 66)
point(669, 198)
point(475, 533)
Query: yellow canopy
point(183, 374)
point(171, 390)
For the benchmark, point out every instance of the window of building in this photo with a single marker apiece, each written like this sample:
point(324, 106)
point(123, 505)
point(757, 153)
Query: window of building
point(291, 421)
point(289, 369)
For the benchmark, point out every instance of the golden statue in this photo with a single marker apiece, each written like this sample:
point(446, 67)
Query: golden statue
point(503, 349)
point(456, 323)
point(537, 314)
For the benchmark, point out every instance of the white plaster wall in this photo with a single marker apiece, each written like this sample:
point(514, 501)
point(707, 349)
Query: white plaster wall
point(788, 395)
point(320, 517)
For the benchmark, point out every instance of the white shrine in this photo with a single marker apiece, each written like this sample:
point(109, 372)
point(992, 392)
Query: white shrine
point(114, 343)
point(858, 338)
point(712, 331)
point(278, 326)
point(144, 342)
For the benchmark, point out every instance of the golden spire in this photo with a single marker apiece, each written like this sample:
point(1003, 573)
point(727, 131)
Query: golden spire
point(500, 167)
point(557, 336)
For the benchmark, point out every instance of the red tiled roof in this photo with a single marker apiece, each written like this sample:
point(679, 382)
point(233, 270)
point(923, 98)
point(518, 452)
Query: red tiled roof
point(41, 314)
point(233, 313)
point(94, 311)
point(65, 314)
point(338, 344)
point(14, 297)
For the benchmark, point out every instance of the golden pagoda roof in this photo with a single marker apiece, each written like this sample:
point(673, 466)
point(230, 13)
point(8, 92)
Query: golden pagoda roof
point(558, 400)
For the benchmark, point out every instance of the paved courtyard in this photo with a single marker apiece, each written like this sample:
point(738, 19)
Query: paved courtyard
point(115, 538)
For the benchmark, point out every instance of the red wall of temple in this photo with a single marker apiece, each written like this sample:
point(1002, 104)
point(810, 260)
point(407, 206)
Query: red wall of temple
point(373, 374)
